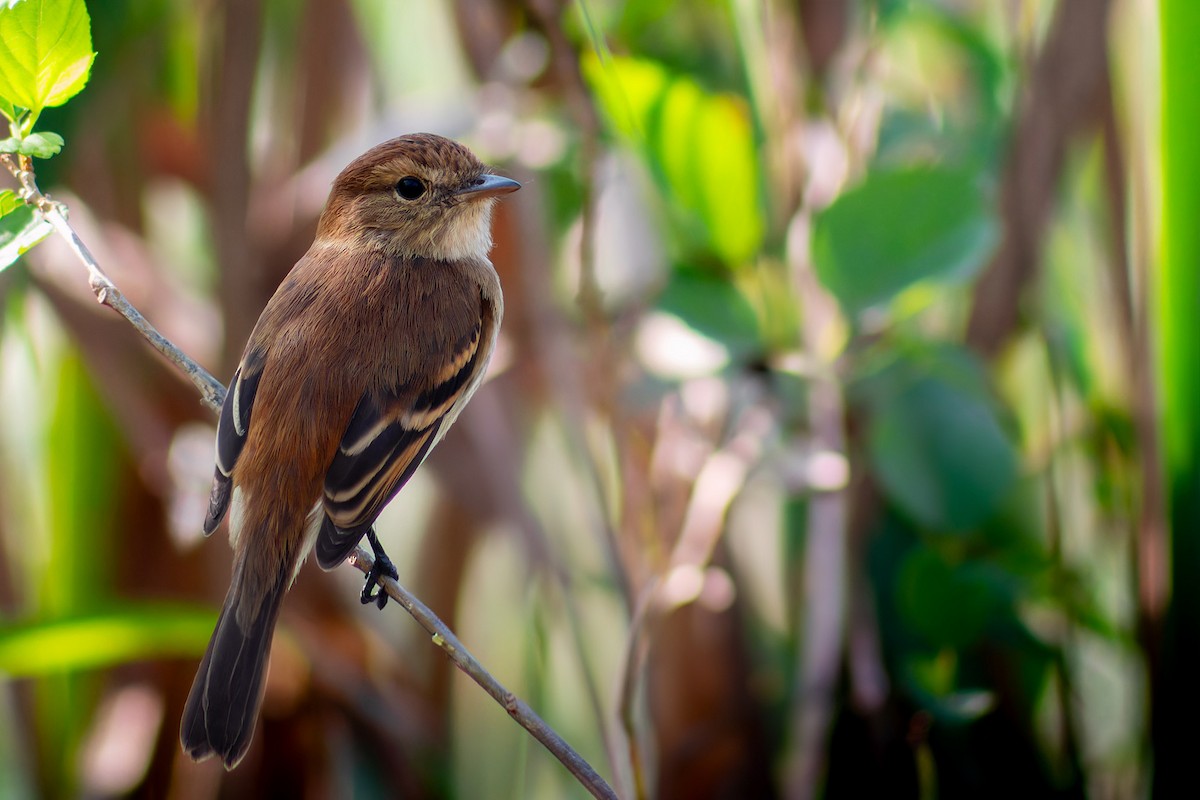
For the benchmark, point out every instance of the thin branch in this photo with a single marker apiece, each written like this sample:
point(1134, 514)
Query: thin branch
point(1067, 90)
point(212, 393)
point(517, 708)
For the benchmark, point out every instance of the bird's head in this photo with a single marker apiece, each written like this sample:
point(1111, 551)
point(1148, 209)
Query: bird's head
point(419, 195)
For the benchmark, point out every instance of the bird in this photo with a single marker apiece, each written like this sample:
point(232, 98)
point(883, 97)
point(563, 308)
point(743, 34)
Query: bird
point(358, 365)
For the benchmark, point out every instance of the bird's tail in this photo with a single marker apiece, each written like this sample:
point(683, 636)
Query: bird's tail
point(222, 708)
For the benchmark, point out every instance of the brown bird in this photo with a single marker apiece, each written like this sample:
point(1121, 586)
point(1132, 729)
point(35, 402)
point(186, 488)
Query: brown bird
point(359, 364)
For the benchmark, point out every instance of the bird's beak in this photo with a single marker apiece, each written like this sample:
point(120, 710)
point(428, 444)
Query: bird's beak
point(488, 186)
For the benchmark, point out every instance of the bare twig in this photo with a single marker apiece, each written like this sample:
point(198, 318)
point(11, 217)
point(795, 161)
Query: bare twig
point(212, 392)
point(213, 395)
point(517, 708)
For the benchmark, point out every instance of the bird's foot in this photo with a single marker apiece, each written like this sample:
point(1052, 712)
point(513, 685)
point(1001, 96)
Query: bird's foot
point(372, 591)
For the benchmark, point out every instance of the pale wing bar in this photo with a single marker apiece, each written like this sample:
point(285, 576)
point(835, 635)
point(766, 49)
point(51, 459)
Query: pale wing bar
point(385, 442)
point(231, 434)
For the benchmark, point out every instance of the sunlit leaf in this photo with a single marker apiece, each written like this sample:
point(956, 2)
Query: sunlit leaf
point(84, 468)
point(9, 202)
point(45, 52)
point(99, 640)
point(699, 144)
point(900, 227)
point(1175, 286)
point(1177, 279)
point(20, 230)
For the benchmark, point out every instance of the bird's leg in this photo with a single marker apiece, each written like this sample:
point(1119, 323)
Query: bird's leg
point(383, 566)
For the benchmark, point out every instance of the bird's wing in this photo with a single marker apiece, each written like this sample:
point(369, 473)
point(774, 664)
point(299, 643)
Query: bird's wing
point(231, 433)
point(388, 437)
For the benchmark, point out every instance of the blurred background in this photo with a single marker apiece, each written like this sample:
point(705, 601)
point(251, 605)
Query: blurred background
point(842, 440)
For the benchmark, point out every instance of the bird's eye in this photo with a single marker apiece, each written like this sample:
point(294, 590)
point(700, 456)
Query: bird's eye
point(410, 188)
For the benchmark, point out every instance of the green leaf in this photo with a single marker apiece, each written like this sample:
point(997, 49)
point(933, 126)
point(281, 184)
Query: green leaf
point(714, 308)
point(103, 639)
point(41, 145)
point(948, 604)
point(20, 230)
point(7, 109)
point(699, 145)
point(900, 227)
point(941, 455)
point(45, 52)
point(9, 202)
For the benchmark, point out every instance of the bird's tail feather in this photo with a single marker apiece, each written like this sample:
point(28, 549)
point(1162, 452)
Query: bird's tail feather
point(222, 707)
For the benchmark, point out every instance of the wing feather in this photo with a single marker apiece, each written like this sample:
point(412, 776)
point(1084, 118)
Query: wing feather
point(231, 434)
point(388, 437)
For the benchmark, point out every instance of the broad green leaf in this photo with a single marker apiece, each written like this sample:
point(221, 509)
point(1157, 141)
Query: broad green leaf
point(900, 227)
point(10, 145)
point(99, 640)
point(714, 308)
point(941, 455)
point(6, 108)
point(699, 145)
point(41, 145)
point(20, 230)
point(9, 202)
point(45, 52)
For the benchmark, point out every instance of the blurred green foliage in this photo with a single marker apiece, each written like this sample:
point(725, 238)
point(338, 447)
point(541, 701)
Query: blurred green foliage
point(898, 228)
point(1176, 293)
point(814, 190)
point(700, 148)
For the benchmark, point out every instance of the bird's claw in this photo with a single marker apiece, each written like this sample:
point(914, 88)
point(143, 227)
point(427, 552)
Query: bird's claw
point(372, 591)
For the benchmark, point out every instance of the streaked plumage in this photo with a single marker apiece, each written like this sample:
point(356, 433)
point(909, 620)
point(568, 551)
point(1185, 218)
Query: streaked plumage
point(359, 364)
